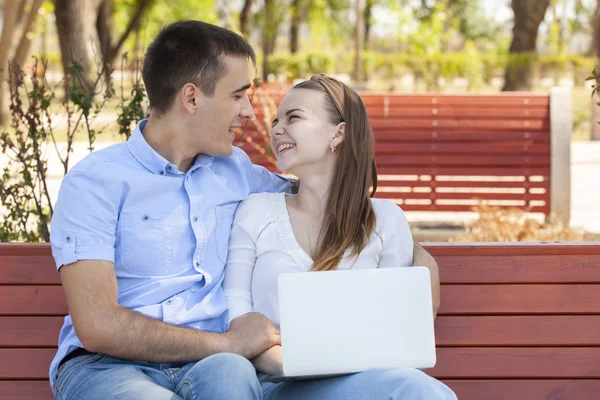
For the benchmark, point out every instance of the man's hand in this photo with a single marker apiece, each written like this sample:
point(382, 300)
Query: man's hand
point(252, 333)
point(422, 257)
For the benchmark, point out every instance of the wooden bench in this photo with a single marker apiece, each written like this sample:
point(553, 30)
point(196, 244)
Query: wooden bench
point(439, 152)
point(517, 321)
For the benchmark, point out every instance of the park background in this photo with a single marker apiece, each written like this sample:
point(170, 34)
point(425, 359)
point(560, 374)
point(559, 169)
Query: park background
point(70, 83)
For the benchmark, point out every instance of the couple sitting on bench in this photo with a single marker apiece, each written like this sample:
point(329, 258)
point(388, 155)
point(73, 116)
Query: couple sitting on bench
point(141, 235)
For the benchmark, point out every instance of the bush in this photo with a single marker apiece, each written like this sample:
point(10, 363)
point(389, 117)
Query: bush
point(497, 224)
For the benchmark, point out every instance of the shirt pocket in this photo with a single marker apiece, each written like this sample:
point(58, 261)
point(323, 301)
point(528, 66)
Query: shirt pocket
point(147, 247)
point(224, 217)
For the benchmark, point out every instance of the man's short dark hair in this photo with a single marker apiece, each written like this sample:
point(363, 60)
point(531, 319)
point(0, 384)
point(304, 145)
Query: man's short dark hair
point(189, 52)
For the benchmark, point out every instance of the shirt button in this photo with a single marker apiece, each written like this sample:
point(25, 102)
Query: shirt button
point(144, 217)
point(68, 239)
point(195, 219)
point(169, 302)
point(197, 263)
point(161, 172)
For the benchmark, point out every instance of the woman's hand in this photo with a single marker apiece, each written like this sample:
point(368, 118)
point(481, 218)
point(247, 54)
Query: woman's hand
point(270, 362)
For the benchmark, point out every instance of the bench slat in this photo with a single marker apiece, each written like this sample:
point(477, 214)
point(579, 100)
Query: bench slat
point(520, 299)
point(32, 300)
point(570, 330)
point(519, 269)
point(428, 149)
point(456, 299)
point(452, 362)
point(463, 184)
point(533, 389)
point(546, 331)
point(25, 363)
point(22, 269)
point(25, 390)
point(497, 100)
point(30, 331)
point(517, 363)
point(465, 160)
point(430, 111)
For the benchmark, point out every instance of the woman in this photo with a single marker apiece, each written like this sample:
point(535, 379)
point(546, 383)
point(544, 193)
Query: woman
point(321, 134)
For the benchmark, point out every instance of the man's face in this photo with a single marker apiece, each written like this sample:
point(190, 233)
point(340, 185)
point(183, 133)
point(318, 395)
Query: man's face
point(219, 116)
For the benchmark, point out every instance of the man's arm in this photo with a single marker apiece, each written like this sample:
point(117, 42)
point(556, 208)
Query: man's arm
point(423, 258)
point(103, 326)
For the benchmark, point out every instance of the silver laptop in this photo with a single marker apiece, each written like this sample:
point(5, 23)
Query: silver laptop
point(340, 322)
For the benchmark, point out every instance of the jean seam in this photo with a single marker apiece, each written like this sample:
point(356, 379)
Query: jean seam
point(59, 382)
point(187, 382)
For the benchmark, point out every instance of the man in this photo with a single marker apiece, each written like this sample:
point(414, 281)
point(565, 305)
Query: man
point(140, 236)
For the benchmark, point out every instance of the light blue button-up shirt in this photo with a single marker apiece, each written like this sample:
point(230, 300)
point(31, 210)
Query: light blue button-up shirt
point(166, 231)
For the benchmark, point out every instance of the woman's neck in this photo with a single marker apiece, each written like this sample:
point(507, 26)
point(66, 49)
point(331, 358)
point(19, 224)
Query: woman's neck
point(313, 194)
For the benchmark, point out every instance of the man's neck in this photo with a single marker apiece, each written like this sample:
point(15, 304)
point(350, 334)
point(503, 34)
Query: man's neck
point(162, 135)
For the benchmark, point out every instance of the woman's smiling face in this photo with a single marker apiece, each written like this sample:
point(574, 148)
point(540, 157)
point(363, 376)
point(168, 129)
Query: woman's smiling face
point(302, 131)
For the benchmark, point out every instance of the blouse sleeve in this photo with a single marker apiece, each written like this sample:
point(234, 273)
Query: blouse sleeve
point(396, 235)
point(241, 258)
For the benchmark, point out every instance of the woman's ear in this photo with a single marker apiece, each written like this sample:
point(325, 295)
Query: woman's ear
point(339, 134)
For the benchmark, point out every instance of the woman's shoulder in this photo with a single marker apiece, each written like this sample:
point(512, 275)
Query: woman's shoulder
point(258, 208)
point(388, 214)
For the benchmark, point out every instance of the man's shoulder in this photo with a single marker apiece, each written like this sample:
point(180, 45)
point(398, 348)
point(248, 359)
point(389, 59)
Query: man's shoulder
point(102, 162)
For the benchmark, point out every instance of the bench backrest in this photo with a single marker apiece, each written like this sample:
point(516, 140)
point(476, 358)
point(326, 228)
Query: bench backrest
point(516, 322)
point(438, 152)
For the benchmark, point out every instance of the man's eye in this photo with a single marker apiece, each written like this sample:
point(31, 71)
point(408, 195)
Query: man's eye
point(238, 96)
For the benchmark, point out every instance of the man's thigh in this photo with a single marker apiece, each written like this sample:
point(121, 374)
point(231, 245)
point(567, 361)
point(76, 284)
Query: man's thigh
point(394, 384)
point(102, 377)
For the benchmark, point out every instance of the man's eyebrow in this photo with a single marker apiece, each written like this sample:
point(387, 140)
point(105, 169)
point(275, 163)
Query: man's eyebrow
point(245, 87)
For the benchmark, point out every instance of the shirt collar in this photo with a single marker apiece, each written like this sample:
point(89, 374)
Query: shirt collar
point(151, 160)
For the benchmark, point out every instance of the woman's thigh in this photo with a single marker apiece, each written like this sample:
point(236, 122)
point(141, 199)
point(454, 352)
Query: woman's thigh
point(396, 384)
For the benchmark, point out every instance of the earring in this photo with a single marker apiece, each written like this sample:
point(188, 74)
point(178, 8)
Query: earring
point(332, 147)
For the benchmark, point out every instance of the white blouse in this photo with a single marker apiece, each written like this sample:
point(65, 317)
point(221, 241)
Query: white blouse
point(262, 246)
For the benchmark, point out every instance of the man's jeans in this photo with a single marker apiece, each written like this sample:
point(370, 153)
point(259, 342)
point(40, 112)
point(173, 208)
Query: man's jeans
point(229, 376)
point(221, 376)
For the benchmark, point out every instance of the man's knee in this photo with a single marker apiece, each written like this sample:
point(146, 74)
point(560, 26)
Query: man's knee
point(223, 376)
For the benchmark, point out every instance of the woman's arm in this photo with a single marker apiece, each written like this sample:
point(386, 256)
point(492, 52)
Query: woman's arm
point(240, 263)
point(270, 362)
point(422, 258)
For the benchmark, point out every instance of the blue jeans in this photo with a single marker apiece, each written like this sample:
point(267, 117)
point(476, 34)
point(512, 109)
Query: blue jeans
point(221, 376)
point(392, 384)
point(229, 376)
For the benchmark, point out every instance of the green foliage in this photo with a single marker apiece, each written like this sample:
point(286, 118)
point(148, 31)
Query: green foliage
point(38, 109)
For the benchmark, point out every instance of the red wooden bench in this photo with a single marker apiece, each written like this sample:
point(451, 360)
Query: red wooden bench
point(438, 152)
point(517, 321)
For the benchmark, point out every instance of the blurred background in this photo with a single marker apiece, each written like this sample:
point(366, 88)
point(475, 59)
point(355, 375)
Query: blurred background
point(70, 82)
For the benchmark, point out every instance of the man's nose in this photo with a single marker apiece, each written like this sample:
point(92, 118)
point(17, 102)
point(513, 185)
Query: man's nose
point(247, 111)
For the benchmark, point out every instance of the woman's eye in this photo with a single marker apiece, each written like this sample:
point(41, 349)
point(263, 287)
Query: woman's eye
point(293, 116)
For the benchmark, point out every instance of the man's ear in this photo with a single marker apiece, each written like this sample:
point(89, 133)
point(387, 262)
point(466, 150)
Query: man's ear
point(339, 134)
point(190, 94)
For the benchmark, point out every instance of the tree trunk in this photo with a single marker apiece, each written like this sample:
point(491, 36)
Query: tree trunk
point(245, 17)
point(596, 32)
point(76, 36)
point(25, 42)
point(104, 27)
point(8, 30)
point(297, 17)
point(270, 31)
point(358, 41)
point(367, 19)
point(529, 14)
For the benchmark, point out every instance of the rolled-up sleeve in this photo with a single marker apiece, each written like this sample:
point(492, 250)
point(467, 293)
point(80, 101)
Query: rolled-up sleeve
point(84, 220)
